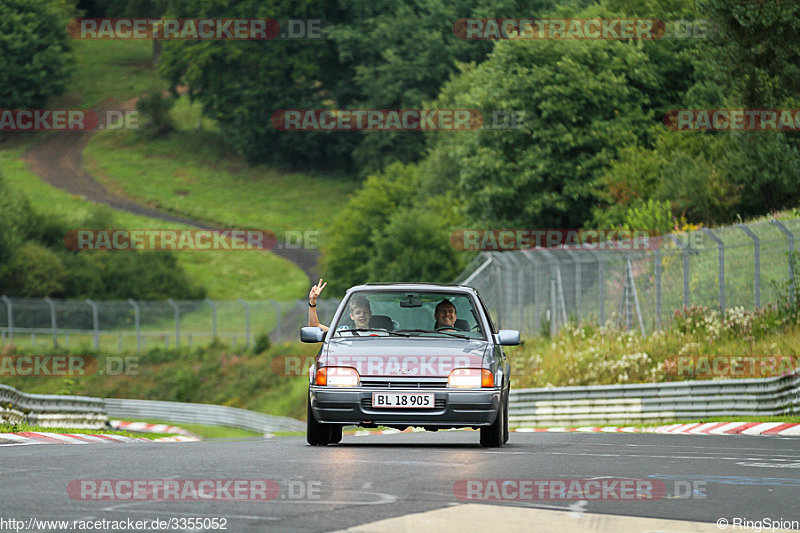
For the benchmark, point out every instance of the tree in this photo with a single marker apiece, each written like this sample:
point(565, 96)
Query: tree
point(757, 47)
point(583, 102)
point(242, 82)
point(35, 57)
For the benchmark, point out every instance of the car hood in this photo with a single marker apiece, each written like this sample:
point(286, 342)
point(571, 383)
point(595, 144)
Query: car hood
point(406, 357)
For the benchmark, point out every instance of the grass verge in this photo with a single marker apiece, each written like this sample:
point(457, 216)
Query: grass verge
point(203, 431)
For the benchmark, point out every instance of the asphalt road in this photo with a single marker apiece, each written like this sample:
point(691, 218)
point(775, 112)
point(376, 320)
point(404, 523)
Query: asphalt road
point(375, 477)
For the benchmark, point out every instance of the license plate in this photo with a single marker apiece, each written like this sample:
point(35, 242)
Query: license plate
point(403, 400)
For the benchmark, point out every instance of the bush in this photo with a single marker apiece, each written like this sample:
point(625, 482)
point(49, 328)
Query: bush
point(263, 343)
point(35, 271)
point(154, 109)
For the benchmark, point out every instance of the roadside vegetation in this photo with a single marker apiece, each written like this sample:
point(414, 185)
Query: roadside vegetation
point(582, 354)
point(216, 374)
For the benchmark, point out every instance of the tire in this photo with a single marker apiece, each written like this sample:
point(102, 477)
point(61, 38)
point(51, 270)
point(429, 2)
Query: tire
point(336, 433)
point(316, 434)
point(506, 432)
point(492, 436)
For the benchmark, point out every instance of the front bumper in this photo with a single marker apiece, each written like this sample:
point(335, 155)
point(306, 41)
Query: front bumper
point(455, 407)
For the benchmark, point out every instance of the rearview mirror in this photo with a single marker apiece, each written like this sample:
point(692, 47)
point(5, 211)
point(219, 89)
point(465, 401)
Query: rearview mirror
point(312, 334)
point(507, 337)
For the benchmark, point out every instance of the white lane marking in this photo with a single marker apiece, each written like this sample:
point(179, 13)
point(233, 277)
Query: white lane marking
point(578, 508)
point(770, 465)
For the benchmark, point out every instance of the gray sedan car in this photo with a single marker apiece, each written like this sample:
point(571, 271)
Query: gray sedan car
point(410, 354)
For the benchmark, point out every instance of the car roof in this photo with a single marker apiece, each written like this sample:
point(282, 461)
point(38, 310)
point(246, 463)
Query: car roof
point(441, 287)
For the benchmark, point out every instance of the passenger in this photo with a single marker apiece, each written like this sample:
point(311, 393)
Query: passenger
point(360, 311)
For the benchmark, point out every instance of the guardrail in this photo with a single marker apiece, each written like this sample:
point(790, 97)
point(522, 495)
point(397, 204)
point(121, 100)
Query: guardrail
point(55, 410)
point(198, 413)
point(51, 410)
point(655, 402)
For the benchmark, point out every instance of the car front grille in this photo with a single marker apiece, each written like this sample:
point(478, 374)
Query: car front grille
point(438, 403)
point(403, 384)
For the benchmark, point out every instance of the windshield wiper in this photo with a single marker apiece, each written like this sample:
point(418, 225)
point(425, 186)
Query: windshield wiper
point(390, 332)
point(451, 333)
point(454, 334)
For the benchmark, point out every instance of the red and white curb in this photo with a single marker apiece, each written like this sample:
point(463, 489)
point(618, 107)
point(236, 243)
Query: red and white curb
point(709, 428)
point(30, 437)
point(784, 429)
point(180, 434)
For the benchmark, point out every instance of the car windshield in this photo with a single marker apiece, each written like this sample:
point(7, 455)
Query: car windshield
point(409, 313)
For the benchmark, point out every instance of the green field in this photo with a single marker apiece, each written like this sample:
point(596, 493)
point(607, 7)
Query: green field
point(226, 275)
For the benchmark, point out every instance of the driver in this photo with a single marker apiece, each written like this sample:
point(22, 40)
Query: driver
point(445, 315)
point(360, 311)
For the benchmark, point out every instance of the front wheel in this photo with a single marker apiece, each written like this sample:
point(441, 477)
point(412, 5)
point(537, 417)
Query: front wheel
point(316, 434)
point(495, 435)
point(336, 433)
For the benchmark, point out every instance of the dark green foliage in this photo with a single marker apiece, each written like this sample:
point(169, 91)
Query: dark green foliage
point(35, 60)
point(758, 49)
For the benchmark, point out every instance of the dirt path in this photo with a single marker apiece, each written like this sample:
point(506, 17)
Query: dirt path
point(58, 160)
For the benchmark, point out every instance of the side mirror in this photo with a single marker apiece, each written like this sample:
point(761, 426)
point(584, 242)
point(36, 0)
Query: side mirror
point(507, 337)
point(312, 334)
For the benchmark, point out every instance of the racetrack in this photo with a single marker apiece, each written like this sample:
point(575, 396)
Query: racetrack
point(376, 477)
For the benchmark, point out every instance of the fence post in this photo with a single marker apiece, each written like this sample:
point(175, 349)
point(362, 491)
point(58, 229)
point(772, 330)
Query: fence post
point(246, 322)
point(790, 239)
point(685, 251)
point(95, 323)
point(756, 263)
point(577, 283)
point(137, 324)
point(601, 286)
point(10, 308)
point(213, 307)
point(177, 322)
point(721, 248)
point(52, 320)
point(658, 266)
point(635, 295)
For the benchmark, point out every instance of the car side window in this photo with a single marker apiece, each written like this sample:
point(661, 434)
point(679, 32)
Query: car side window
point(488, 316)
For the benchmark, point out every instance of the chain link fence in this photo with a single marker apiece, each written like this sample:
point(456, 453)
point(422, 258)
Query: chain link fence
point(137, 326)
point(538, 290)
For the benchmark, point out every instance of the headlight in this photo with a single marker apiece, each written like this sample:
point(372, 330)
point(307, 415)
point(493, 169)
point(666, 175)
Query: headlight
point(337, 376)
point(470, 378)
